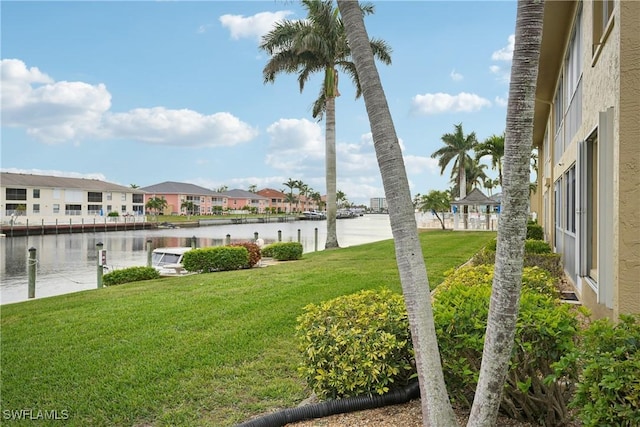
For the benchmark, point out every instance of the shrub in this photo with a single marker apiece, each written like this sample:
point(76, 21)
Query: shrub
point(113, 214)
point(535, 232)
point(283, 251)
point(218, 258)
point(356, 344)
point(530, 246)
point(131, 274)
point(253, 250)
point(548, 261)
point(605, 366)
point(545, 329)
point(533, 278)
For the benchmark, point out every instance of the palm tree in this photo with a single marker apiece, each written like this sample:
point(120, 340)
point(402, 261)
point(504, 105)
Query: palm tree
point(317, 199)
point(456, 148)
point(494, 147)
point(512, 226)
point(157, 205)
point(434, 202)
point(253, 188)
point(319, 44)
point(341, 198)
point(188, 206)
point(291, 184)
point(436, 407)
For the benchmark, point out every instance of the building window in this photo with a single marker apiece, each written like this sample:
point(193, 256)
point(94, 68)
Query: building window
point(109, 196)
point(602, 21)
point(56, 208)
point(73, 210)
point(94, 197)
point(16, 194)
point(94, 209)
point(36, 208)
point(124, 197)
point(36, 193)
point(138, 198)
point(123, 209)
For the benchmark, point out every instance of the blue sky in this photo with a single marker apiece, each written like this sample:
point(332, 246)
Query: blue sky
point(145, 92)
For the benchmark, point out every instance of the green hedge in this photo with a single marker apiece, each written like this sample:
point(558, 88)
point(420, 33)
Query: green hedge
point(356, 344)
point(218, 258)
point(605, 366)
point(131, 274)
point(283, 251)
point(535, 232)
point(545, 330)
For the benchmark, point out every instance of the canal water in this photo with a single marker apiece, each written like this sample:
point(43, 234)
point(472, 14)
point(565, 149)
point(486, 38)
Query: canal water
point(67, 263)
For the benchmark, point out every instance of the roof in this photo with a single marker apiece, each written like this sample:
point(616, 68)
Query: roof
point(474, 198)
point(243, 194)
point(172, 187)
point(8, 179)
point(270, 192)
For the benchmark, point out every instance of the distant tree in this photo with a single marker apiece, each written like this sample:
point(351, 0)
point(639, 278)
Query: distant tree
point(134, 186)
point(188, 206)
point(341, 199)
point(156, 205)
point(493, 147)
point(319, 44)
point(291, 184)
point(317, 199)
point(436, 201)
point(253, 188)
point(221, 189)
point(456, 148)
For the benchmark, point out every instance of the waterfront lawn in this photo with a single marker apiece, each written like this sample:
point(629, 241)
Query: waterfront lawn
point(207, 350)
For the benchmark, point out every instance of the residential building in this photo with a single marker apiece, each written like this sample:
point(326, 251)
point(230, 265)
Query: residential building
point(277, 199)
point(378, 204)
point(44, 199)
point(587, 131)
point(241, 200)
point(179, 194)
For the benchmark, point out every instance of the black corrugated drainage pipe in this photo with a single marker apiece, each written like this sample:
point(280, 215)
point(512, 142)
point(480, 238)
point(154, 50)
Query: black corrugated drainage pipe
point(333, 407)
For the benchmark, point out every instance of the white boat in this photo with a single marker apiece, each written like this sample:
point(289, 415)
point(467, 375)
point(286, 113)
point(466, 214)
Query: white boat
point(168, 261)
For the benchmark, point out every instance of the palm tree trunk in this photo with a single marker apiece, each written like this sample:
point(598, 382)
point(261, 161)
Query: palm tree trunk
point(507, 281)
point(330, 150)
point(436, 409)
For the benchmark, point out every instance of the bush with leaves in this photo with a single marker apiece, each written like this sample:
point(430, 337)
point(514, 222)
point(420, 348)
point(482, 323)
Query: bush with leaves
point(356, 344)
point(605, 366)
point(533, 278)
point(218, 258)
point(253, 250)
point(131, 274)
point(535, 231)
point(283, 251)
point(545, 329)
point(536, 255)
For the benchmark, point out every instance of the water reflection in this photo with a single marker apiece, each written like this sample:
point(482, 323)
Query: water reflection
point(68, 262)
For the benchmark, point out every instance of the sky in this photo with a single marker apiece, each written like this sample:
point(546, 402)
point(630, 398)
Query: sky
point(142, 92)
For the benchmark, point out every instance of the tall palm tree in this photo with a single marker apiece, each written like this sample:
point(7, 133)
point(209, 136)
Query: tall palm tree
point(436, 409)
point(456, 148)
point(291, 184)
point(512, 226)
point(157, 205)
point(494, 147)
point(319, 44)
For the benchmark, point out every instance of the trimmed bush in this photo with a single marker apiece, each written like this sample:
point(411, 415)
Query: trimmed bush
point(605, 366)
point(552, 262)
point(283, 251)
point(356, 344)
point(218, 258)
point(533, 278)
point(253, 250)
point(530, 246)
point(131, 274)
point(545, 330)
point(535, 232)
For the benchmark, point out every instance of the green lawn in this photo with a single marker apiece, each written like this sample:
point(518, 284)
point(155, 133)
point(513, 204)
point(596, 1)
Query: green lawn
point(206, 350)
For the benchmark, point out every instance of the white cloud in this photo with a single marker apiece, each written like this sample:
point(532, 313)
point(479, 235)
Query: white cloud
point(295, 145)
point(255, 26)
point(52, 172)
point(502, 102)
point(455, 76)
point(495, 69)
point(58, 112)
point(505, 53)
point(178, 127)
point(420, 164)
point(434, 103)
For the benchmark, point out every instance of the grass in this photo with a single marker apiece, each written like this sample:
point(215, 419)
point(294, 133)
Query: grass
point(206, 350)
